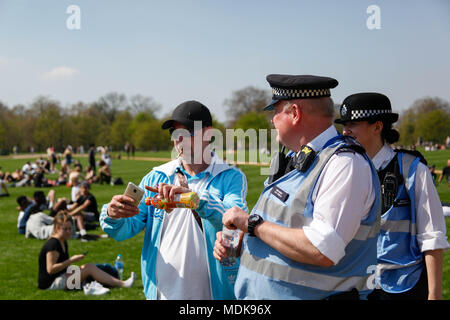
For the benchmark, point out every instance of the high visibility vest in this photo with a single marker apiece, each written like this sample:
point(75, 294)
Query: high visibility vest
point(400, 260)
point(265, 273)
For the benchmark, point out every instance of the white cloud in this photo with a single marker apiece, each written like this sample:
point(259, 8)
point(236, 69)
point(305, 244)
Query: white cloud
point(59, 73)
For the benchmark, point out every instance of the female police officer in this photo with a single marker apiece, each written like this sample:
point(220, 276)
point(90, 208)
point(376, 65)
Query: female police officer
point(413, 228)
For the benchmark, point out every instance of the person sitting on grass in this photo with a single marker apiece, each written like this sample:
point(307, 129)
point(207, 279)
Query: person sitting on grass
point(39, 178)
point(31, 220)
point(48, 203)
point(54, 260)
point(105, 172)
point(446, 173)
point(90, 175)
point(85, 208)
point(75, 177)
point(3, 189)
point(27, 207)
point(62, 179)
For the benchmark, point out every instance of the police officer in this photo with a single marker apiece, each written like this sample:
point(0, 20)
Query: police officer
point(313, 232)
point(413, 231)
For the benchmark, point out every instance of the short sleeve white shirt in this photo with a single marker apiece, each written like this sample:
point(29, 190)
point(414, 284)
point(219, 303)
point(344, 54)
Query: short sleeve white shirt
point(342, 197)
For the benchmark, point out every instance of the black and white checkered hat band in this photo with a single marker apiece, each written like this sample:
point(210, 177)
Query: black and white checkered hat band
point(280, 93)
point(359, 114)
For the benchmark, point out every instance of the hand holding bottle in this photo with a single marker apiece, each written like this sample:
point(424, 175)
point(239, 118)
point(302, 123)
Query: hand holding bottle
point(170, 197)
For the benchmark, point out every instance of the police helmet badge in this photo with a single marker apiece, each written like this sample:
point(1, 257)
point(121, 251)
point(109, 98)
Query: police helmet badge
point(343, 110)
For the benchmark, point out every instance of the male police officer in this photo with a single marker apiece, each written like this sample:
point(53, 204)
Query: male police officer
point(313, 232)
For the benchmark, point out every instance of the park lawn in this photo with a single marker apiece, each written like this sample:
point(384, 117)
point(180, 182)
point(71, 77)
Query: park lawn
point(19, 257)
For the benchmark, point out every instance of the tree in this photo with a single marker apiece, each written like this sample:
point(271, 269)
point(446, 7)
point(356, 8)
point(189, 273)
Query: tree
point(433, 126)
point(406, 127)
point(251, 123)
point(248, 99)
point(3, 116)
point(48, 125)
point(141, 104)
point(252, 120)
point(427, 118)
point(48, 128)
point(86, 124)
point(147, 133)
point(111, 103)
point(120, 129)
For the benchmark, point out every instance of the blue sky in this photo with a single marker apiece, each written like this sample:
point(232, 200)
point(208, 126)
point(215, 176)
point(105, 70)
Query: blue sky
point(180, 50)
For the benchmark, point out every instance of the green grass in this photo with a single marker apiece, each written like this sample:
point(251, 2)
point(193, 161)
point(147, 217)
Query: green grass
point(19, 256)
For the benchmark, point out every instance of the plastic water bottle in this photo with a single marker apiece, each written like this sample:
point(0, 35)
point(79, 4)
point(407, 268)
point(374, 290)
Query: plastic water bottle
point(119, 265)
point(230, 240)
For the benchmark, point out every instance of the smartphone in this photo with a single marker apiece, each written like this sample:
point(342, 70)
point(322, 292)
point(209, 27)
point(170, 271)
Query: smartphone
point(134, 192)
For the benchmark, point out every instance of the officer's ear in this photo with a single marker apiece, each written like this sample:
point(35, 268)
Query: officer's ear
point(378, 127)
point(296, 112)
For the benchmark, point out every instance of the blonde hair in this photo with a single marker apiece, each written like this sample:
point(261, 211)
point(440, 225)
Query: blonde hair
point(60, 219)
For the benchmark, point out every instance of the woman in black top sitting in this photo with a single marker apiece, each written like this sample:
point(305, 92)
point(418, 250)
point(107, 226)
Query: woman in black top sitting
point(54, 260)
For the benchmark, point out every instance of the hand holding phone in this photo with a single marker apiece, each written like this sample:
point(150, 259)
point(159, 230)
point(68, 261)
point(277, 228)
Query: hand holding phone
point(133, 191)
point(120, 205)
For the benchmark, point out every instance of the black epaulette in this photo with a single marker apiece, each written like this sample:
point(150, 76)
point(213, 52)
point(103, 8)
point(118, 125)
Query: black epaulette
point(415, 153)
point(278, 165)
point(352, 146)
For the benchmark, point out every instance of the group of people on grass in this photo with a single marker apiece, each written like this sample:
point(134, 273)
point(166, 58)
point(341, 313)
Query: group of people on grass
point(46, 217)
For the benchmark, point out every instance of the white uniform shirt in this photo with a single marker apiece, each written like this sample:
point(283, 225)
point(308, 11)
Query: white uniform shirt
point(430, 221)
point(342, 197)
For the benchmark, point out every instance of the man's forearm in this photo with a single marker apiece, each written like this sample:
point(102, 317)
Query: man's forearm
point(292, 243)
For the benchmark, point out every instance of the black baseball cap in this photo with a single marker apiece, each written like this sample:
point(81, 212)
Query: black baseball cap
point(187, 113)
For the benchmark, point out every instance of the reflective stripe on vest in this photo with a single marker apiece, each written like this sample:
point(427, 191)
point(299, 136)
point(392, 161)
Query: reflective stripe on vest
point(266, 274)
point(400, 261)
point(301, 277)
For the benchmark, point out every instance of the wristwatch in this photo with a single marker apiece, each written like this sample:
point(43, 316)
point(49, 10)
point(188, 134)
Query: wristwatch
point(253, 221)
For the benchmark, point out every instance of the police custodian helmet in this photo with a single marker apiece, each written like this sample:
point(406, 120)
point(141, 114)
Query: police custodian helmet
point(366, 106)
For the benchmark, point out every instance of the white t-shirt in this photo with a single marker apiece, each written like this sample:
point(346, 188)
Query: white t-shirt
point(21, 213)
point(74, 193)
point(181, 267)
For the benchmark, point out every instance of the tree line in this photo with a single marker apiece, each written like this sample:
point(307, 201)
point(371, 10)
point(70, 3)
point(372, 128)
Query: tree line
point(115, 119)
point(112, 120)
